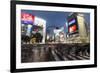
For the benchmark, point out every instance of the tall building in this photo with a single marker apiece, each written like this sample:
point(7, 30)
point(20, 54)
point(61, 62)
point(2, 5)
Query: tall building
point(81, 25)
point(77, 29)
point(59, 35)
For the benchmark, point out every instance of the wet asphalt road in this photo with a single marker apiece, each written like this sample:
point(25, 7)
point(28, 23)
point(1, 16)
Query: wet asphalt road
point(45, 53)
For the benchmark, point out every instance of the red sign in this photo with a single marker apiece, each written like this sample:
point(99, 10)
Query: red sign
point(27, 18)
point(72, 28)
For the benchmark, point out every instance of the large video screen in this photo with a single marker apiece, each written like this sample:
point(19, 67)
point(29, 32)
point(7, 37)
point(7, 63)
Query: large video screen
point(72, 28)
point(71, 21)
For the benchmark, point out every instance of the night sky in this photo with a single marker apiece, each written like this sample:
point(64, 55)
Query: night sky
point(54, 19)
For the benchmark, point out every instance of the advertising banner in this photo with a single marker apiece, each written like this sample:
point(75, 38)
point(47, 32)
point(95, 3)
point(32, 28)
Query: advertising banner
point(27, 18)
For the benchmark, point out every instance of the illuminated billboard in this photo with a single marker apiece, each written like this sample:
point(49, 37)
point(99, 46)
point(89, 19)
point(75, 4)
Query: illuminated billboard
point(72, 28)
point(27, 18)
point(72, 23)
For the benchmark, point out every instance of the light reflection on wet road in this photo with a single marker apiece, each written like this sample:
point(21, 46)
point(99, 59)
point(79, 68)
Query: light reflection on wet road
point(30, 53)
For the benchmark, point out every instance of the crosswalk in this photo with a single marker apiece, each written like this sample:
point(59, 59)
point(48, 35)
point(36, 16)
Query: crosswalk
point(59, 56)
point(43, 54)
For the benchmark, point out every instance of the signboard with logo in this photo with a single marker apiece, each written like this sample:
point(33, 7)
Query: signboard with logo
point(27, 18)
